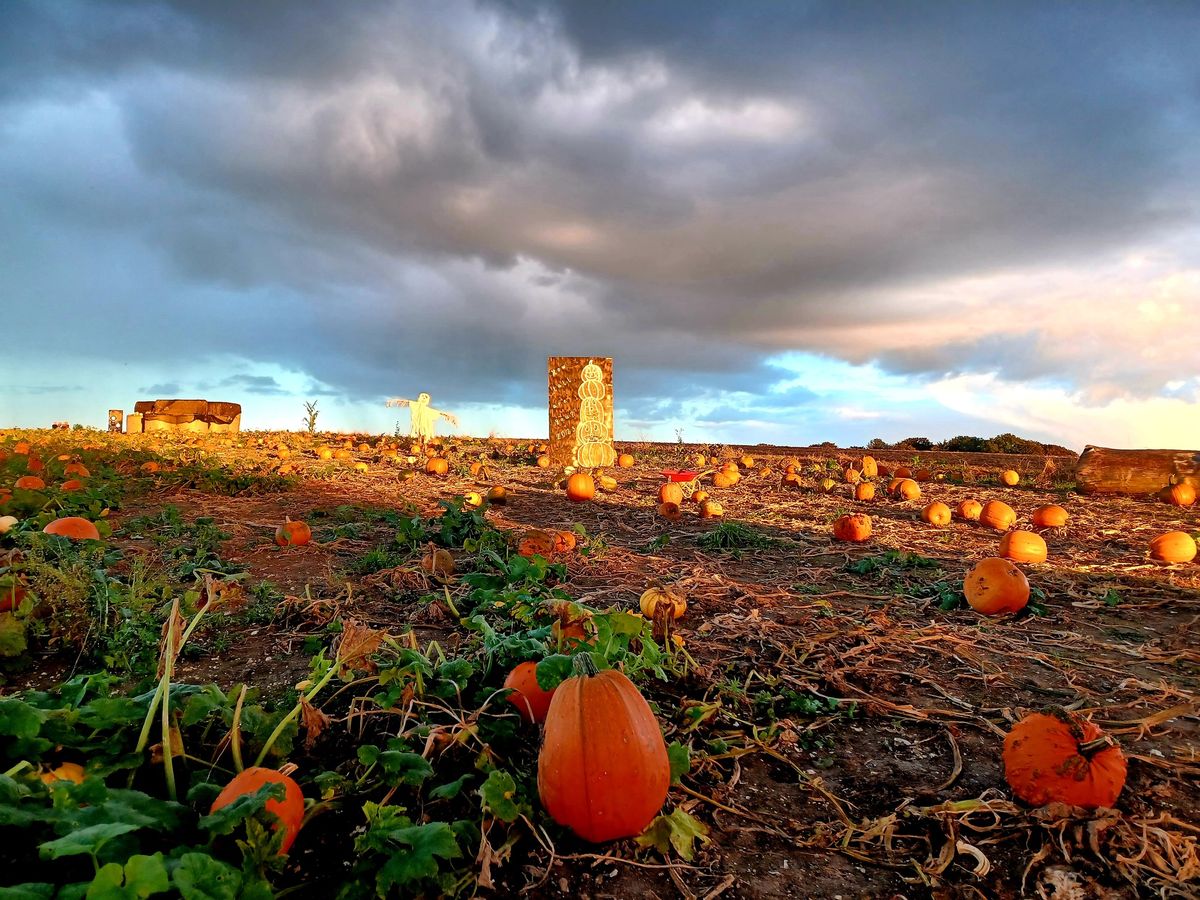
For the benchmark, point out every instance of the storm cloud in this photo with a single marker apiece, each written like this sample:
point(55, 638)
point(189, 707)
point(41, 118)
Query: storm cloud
point(389, 196)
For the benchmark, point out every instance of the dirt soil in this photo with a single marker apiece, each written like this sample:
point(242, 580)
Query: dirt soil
point(896, 787)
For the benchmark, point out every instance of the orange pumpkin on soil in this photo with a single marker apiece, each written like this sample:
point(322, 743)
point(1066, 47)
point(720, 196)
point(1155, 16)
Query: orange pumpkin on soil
point(1010, 478)
point(699, 495)
point(970, 510)
point(722, 480)
point(527, 695)
point(670, 511)
point(1182, 494)
point(936, 513)
point(851, 476)
point(29, 483)
point(907, 489)
point(791, 481)
point(923, 475)
point(293, 534)
point(536, 542)
point(625, 461)
point(870, 469)
point(711, 509)
point(73, 484)
point(996, 586)
point(855, 528)
point(998, 515)
point(76, 468)
point(864, 490)
point(580, 487)
point(603, 769)
point(438, 562)
point(543, 461)
point(1057, 757)
point(902, 472)
point(1049, 516)
point(670, 492)
point(1023, 546)
point(564, 541)
point(73, 527)
point(289, 811)
point(68, 771)
point(1173, 547)
point(436, 465)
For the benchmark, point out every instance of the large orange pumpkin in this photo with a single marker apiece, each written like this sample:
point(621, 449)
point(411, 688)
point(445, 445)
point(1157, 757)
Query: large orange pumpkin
point(1182, 494)
point(998, 515)
point(1010, 477)
point(1023, 546)
point(527, 695)
point(936, 513)
point(536, 542)
point(864, 490)
point(1058, 757)
point(29, 483)
point(722, 480)
point(996, 586)
point(1050, 516)
point(580, 487)
point(870, 468)
point(907, 489)
point(603, 770)
point(1173, 547)
point(855, 528)
point(73, 527)
point(625, 461)
point(902, 472)
point(437, 465)
point(670, 492)
point(289, 811)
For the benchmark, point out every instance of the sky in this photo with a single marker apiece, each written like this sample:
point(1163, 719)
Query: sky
point(786, 222)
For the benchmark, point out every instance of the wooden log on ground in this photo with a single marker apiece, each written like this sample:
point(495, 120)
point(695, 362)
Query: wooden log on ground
point(1130, 472)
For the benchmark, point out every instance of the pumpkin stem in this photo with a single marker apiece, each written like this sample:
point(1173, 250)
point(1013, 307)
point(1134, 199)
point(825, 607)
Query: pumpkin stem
point(585, 664)
point(1088, 749)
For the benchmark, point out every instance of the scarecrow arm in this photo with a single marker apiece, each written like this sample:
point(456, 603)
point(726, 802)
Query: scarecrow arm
point(397, 401)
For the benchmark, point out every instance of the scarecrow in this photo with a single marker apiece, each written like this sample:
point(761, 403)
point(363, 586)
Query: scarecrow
point(424, 416)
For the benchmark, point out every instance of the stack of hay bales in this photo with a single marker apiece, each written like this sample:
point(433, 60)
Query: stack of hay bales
point(196, 416)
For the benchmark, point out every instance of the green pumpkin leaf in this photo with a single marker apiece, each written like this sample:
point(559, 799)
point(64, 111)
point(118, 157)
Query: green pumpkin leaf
point(20, 720)
point(140, 877)
point(85, 840)
point(31, 891)
point(420, 847)
point(200, 877)
point(553, 671)
point(498, 794)
point(678, 830)
point(680, 757)
point(402, 767)
point(450, 790)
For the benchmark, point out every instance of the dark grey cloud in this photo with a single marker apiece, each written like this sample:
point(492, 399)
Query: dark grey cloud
point(163, 390)
point(391, 197)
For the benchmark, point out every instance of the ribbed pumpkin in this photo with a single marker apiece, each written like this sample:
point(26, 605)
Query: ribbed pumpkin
point(436, 465)
point(580, 487)
point(1023, 546)
point(1049, 516)
point(625, 461)
point(536, 542)
point(289, 810)
point(652, 597)
point(603, 769)
point(527, 695)
point(970, 510)
point(936, 513)
point(564, 541)
point(870, 468)
point(907, 489)
point(1173, 547)
point(855, 528)
point(670, 492)
point(998, 515)
point(1057, 757)
point(438, 561)
point(864, 490)
point(1182, 494)
point(73, 527)
point(29, 483)
point(1010, 477)
point(996, 586)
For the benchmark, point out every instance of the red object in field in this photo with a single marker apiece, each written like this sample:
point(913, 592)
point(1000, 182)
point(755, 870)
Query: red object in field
point(674, 475)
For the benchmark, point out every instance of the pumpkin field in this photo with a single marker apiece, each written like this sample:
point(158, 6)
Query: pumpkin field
point(321, 666)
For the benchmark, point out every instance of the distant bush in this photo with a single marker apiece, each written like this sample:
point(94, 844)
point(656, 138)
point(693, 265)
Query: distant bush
point(965, 444)
point(878, 444)
point(914, 443)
